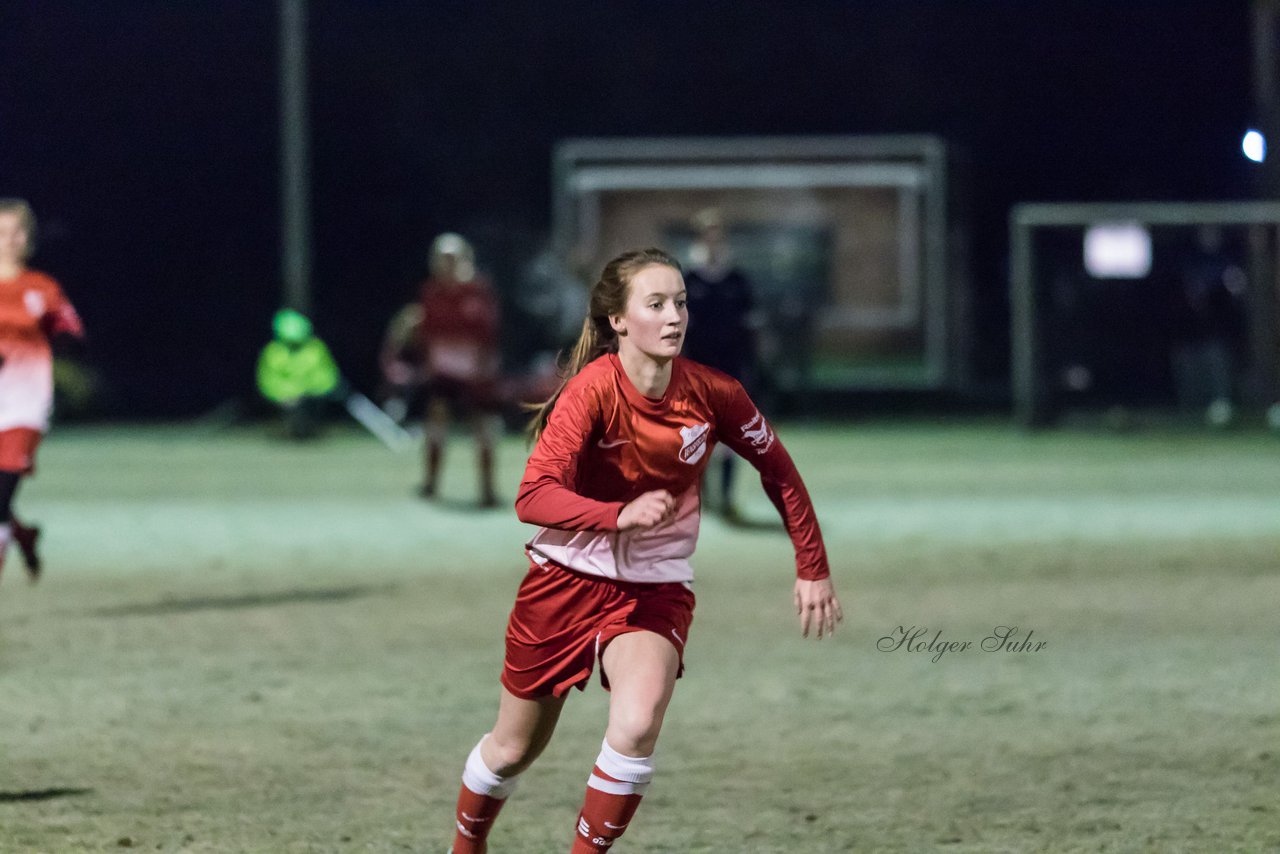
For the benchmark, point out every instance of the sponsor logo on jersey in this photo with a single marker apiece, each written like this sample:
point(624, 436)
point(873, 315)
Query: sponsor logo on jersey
point(694, 442)
point(758, 433)
point(34, 301)
point(603, 444)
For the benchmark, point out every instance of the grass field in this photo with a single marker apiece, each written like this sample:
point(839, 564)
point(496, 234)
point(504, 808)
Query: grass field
point(248, 646)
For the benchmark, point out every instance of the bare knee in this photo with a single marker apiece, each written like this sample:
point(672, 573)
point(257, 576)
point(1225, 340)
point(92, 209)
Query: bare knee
point(521, 732)
point(633, 730)
point(437, 419)
point(509, 755)
point(642, 669)
point(484, 429)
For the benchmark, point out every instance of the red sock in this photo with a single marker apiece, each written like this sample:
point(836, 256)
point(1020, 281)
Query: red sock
point(614, 790)
point(482, 796)
point(434, 452)
point(603, 819)
point(475, 815)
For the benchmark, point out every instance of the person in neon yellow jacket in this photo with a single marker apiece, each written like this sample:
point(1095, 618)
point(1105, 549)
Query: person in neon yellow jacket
point(297, 372)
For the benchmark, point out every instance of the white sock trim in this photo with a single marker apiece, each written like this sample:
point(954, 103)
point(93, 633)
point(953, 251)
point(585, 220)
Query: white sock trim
point(610, 787)
point(634, 773)
point(477, 777)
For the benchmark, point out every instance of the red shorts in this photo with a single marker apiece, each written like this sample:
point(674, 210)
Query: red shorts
point(466, 397)
point(563, 620)
point(18, 449)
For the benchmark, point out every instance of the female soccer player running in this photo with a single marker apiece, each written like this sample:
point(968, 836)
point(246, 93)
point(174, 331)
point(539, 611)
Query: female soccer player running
point(33, 310)
point(613, 484)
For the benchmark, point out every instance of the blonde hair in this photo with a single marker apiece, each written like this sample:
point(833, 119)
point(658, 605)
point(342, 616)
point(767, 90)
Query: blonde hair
point(608, 298)
point(453, 244)
point(27, 218)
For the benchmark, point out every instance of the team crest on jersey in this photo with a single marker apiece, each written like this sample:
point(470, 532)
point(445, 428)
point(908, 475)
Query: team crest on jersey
point(34, 301)
point(694, 442)
point(758, 433)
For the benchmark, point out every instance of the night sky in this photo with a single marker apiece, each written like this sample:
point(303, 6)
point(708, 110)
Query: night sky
point(145, 135)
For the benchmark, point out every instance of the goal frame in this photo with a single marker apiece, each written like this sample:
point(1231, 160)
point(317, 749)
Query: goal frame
point(915, 166)
point(1032, 401)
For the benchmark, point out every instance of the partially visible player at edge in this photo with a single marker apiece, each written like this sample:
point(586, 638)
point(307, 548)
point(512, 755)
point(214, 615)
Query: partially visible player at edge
point(613, 483)
point(33, 310)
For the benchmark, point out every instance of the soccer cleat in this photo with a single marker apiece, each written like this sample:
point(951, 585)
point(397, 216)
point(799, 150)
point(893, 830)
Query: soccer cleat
point(26, 538)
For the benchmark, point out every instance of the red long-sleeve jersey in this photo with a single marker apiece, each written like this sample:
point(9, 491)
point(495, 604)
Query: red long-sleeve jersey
point(33, 309)
point(459, 330)
point(606, 444)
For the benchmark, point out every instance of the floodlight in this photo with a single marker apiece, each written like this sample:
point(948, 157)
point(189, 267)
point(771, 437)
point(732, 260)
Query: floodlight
point(1117, 250)
point(1254, 146)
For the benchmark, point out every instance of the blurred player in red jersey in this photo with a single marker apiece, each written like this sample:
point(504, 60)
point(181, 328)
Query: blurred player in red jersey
point(33, 310)
point(459, 344)
point(613, 484)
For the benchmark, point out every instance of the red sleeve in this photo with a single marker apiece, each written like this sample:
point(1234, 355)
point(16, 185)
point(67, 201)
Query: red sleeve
point(740, 425)
point(60, 317)
point(547, 495)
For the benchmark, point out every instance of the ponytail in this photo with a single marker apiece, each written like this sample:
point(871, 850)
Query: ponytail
point(592, 343)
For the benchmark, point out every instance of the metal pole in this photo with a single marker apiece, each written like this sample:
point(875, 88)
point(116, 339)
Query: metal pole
point(1266, 87)
point(1028, 398)
point(1265, 269)
point(295, 201)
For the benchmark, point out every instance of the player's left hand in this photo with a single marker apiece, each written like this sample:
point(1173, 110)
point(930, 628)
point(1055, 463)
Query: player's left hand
point(817, 605)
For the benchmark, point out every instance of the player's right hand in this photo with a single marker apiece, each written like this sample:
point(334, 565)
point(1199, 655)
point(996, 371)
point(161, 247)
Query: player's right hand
point(648, 511)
